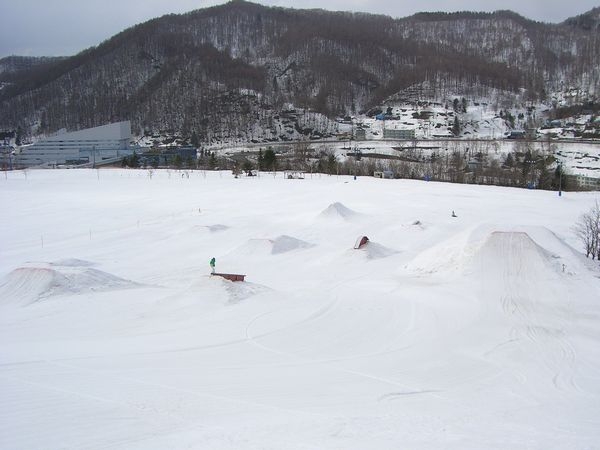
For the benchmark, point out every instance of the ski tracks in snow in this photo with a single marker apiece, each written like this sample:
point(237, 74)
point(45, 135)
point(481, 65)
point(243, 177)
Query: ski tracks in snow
point(529, 299)
point(302, 356)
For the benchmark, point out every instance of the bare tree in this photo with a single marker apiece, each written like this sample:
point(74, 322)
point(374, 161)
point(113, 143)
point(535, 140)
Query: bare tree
point(588, 231)
point(301, 151)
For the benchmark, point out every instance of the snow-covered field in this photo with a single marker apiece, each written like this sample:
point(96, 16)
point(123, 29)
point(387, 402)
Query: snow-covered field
point(480, 331)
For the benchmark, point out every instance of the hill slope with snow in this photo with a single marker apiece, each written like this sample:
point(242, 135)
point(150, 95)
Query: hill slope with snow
point(225, 73)
point(468, 332)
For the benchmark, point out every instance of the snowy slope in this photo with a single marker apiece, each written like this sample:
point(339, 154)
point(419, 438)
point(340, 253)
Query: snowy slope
point(468, 332)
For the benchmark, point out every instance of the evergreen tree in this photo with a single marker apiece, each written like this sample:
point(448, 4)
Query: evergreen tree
point(527, 165)
point(269, 159)
point(559, 180)
point(544, 178)
point(261, 160)
point(194, 140)
point(331, 163)
point(134, 161)
point(456, 127)
point(19, 136)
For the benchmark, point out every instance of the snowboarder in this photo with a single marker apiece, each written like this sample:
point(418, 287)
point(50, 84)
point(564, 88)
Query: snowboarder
point(453, 214)
point(212, 265)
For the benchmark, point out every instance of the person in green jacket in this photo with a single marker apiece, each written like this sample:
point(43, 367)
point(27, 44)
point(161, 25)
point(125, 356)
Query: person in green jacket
point(212, 265)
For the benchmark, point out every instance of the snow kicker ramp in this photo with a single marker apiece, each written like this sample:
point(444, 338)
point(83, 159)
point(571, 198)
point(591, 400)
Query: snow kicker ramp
point(512, 265)
point(513, 251)
point(39, 281)
point(504, 299)
point(467, 250)
point(523, 297)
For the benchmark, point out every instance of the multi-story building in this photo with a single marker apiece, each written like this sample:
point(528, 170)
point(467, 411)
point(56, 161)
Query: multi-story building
point(91, 145)
point(392, 133)
point(586, 183)
point(360, 134)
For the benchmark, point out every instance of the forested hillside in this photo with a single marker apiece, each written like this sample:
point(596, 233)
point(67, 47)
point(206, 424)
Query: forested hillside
point(225, 72)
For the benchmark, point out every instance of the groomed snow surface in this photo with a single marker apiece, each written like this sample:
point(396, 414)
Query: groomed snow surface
point(469, 332)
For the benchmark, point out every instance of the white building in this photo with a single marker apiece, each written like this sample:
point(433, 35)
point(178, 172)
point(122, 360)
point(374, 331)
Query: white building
point(396, 133)
point(91, 145)
point(587, 183)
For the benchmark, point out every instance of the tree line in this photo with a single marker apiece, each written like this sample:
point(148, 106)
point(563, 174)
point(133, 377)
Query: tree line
point(481, 163)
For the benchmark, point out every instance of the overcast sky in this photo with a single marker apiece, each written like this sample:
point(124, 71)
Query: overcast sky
point(65, 27)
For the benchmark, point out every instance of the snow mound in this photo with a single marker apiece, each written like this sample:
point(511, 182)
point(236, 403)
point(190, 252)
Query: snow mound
point(211, 228)
point(447, 256)
point(238, 292)
point(27, 284)
point(514, 252)
point(373, 250)
point(73, 262)
point(338, 211)
point(217, 227)
point(39, 281)
point(253, 247)
point(467, 251)
point(283, 244)
point(525, 281)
